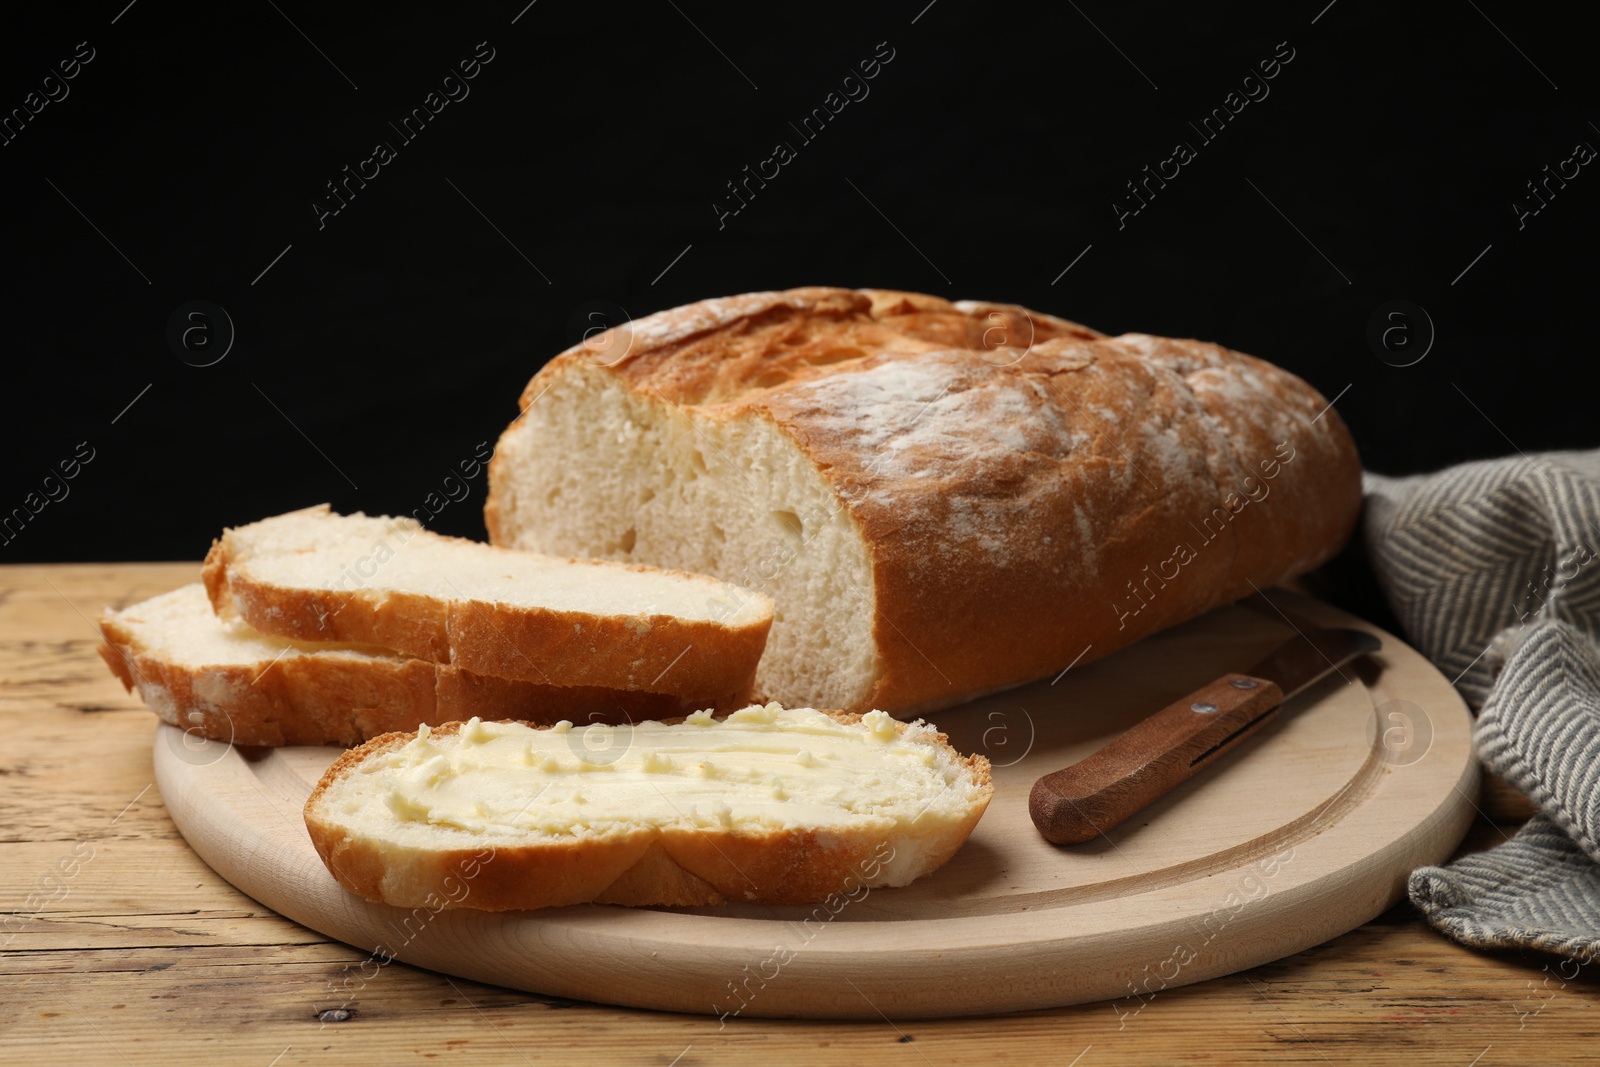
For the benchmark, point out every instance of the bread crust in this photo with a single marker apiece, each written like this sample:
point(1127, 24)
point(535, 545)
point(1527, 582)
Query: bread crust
point(331, 699)
point(1038, 514)
point(705, 662)
point(636, 868)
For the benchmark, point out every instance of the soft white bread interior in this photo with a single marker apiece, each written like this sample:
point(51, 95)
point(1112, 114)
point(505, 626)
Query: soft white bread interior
point(640, 479)
point(316, 575)
point(227, 681)
point(769, 804)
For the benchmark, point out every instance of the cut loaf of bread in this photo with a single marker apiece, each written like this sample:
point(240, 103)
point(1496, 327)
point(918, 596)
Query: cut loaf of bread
point(768, 805)
point(941, 498)
point(226, 681)
point(316, 575)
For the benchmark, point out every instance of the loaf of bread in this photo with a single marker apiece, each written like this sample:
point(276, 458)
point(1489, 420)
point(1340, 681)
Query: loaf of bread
point(941, 499)
point(769, 805)
point(316, 575)
point(226, 681)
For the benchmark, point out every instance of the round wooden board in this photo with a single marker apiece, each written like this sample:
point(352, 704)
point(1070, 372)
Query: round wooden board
point(1307, 832)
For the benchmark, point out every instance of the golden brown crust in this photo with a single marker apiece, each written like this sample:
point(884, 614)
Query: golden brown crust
point(707, 663)
point(730, 349)
point(671, 868)
point(1011, 473)
point(328, 699)
point(1101, 540)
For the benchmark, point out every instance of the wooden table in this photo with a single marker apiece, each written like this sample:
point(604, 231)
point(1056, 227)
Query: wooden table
point(120, 946)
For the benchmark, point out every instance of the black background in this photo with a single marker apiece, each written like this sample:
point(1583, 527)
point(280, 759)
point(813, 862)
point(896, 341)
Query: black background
point(384, 346)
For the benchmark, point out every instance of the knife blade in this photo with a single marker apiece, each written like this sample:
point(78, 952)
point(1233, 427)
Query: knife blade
point(1080, 802)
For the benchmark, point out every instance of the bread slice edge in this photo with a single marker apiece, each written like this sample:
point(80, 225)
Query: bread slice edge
point(708, 662)
point(338, 696)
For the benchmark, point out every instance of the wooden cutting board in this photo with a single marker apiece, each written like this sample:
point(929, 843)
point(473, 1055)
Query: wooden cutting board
point(1306, 833)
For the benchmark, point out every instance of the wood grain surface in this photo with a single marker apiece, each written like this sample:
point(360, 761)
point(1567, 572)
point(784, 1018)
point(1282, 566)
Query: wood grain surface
point(120, 945)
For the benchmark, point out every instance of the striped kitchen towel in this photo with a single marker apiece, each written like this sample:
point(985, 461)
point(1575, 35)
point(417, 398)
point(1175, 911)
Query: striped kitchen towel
point(1493, 569)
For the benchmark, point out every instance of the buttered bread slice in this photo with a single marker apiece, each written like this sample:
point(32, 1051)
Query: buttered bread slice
point(770, 805)
point(317, 575)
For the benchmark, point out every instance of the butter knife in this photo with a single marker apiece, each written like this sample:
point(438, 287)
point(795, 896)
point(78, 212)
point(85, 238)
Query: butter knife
point(1081, 802)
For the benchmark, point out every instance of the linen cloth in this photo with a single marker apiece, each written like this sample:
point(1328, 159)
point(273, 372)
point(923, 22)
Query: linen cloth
point(1493, 569)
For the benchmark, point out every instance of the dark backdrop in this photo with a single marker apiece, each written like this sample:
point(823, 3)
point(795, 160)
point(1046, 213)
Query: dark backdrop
point(374, 348)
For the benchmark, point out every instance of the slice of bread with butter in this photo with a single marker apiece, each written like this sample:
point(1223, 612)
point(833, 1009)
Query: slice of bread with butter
point(770, 805)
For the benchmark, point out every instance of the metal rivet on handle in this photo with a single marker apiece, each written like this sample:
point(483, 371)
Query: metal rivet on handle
point(1244, 683)
point(1202, 707)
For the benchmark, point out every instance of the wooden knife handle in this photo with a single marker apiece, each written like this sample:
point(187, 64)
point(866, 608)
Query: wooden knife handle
point(1081, 802)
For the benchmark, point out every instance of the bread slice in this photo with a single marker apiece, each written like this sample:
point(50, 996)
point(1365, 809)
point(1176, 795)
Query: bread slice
point(316, 575)
point(942, 498)
point(769, 805)
point(232, 683)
